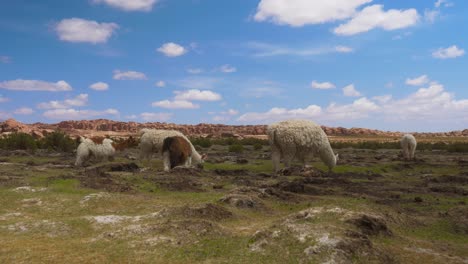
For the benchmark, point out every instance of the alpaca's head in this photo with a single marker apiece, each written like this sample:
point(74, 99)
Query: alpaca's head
point(107, 141)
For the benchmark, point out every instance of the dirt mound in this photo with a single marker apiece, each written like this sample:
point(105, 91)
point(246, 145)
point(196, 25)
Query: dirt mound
point(130, 167)
point(207, 211)
point(449, 189)
point(243, 201)
point(239, 172)
point(462, 178)
point(97, 178)
point(176, 182)
point(370, 225)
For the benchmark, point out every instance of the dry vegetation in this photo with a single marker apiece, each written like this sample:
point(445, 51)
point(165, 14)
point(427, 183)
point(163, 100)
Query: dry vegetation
point(375, 208)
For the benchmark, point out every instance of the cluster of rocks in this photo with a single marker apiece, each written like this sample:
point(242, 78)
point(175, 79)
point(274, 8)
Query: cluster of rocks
point(101, 127)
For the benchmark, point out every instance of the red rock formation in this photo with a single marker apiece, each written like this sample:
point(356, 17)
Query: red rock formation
point(103, 127)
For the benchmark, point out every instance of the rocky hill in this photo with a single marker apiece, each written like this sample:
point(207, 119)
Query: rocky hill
point(101, 127)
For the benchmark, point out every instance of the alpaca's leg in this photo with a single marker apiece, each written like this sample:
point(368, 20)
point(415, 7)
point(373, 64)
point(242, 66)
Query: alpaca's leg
point(166, 161)
point(275, 157)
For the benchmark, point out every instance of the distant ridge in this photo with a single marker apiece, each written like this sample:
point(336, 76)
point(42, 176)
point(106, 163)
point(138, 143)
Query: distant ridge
point(101, 127)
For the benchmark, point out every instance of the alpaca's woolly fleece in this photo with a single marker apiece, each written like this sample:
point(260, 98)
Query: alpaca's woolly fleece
point(299, 138)
point(152, 140)
point(88, 149)
point(408, 145)
point(176, 152)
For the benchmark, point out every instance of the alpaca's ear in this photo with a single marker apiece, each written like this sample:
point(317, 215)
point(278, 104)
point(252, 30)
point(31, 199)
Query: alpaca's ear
point(336, 156)
point(204, 156)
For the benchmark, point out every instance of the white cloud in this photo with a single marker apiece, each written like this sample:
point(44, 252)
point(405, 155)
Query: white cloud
point(5, 59)
point(344, 49)
point(322, 85)
point(81, 30)
point(197, 95)
point(230, 112)
point(445, 3)
point(194, 70)
point(227, 69)
point(73, 114)
point(172, 49)
point(418, 81)
point(383, 98)
point(375, 17)
point(79, 100)
point(277, 113)
point(4, 99)
point(99, 86)
point(35, 85)
point(131, 117)
point(153, 117)
point(431, 15)
point(221, 118)
point(360, 108)
point(128, 75)
point(448, 53)
point(298, 13)
point(23, 111)
point(351, 91)
point(176, 104)
point(199, 82)
point(129, 5)
point(261, 49)
point(160, 84)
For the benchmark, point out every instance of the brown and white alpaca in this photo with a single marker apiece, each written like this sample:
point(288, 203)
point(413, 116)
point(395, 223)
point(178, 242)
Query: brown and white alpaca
point(177, 151)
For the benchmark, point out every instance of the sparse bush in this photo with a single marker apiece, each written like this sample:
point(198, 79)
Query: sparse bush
point(257, 146)
point(236, 148)
point(58, 141)
point(18, 141)
point(202, 142)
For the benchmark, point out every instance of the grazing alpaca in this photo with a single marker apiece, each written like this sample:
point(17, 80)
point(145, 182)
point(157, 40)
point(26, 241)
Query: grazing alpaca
point(177, 151)
point(299, 138)
point(151, 141)
point(408, 145)
point(88, 148)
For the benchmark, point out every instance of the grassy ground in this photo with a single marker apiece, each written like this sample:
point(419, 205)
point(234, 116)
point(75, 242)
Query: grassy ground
point(374, 208)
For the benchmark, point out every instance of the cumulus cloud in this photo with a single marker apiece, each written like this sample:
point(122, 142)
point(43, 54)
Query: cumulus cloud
point(82, 30)
point(444, 3)
point(197, 95)
point(35, 85)
point(172, 49)
point(5, 59)
point(298, 13)
point(79, 100)
point(128, 75)
point(23, 111)
point(261, 49)
point(176, 104)
point(432, 103)
point(418, 81)
point(129, 5)
point(278, 113)
point(227, 68)
point(160, 84)
point(4, 99)
point(155, 117)
point(351, 91)
point(448, 53)
point(344, 49)
point(322, 85)
point(194, 70)
point(199, 82)
point(99, 86)
point(375, 17)
point(73, 114)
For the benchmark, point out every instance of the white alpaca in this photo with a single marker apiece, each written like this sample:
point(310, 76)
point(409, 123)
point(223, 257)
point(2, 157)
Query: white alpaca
point(88, 149)
point(408, 145)
point(152, 140)
point(299, 138)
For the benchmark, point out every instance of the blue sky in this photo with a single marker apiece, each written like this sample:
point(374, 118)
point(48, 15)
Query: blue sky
point(392, 65)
